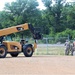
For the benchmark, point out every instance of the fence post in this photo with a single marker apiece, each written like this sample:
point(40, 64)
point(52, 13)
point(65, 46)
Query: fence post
point(68, 37)
point(47, 44)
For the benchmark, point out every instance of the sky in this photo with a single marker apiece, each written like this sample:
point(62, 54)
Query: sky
point(41, 6)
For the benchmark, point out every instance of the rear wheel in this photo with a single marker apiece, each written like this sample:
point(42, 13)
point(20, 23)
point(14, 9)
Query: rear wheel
point(3, 51)
point(14, 54)
point(28, 51)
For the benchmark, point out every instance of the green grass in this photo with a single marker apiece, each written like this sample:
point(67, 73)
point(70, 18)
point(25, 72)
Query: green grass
point(52, 50)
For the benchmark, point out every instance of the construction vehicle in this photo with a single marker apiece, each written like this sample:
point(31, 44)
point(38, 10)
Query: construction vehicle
point(14, 48)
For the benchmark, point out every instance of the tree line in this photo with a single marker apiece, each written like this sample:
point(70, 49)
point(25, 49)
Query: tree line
point(58, 19)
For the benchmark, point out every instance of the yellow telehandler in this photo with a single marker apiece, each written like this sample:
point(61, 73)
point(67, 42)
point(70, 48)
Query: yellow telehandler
point(14, 48)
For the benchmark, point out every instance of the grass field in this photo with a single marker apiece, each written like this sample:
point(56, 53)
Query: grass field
point(50, 50)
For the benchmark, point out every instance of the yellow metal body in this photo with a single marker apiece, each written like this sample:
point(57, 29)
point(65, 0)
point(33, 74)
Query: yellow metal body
point(13, 46)
point(13, 29)
point(35, 46)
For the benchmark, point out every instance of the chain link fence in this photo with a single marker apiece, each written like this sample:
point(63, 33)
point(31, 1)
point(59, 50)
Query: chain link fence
point(49, 49)
point(50, 46)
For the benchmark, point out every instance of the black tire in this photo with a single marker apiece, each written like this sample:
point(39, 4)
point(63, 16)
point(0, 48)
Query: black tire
point(3, 51)
point(28, 50)
point(14, 54)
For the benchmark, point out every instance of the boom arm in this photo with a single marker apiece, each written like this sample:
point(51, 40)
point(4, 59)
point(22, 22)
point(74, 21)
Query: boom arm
point(13, 29)
point(19, 28)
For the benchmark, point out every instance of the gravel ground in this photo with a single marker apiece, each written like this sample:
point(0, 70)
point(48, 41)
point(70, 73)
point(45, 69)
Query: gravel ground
point(38, 65)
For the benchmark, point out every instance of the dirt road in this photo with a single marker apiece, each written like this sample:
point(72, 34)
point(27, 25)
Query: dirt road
point(38, 65)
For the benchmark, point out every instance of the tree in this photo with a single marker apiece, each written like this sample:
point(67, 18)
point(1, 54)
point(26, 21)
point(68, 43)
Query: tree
point(54, 14)
point(6, 20)
point(69, 15)
point(58, 14)
point(47, 16)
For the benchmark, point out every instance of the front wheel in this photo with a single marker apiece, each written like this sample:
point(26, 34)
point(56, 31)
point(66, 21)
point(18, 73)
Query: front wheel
point(28, 50)
point(3, 51)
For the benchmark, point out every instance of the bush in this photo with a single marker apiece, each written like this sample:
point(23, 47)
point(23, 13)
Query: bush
point(62, 36)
